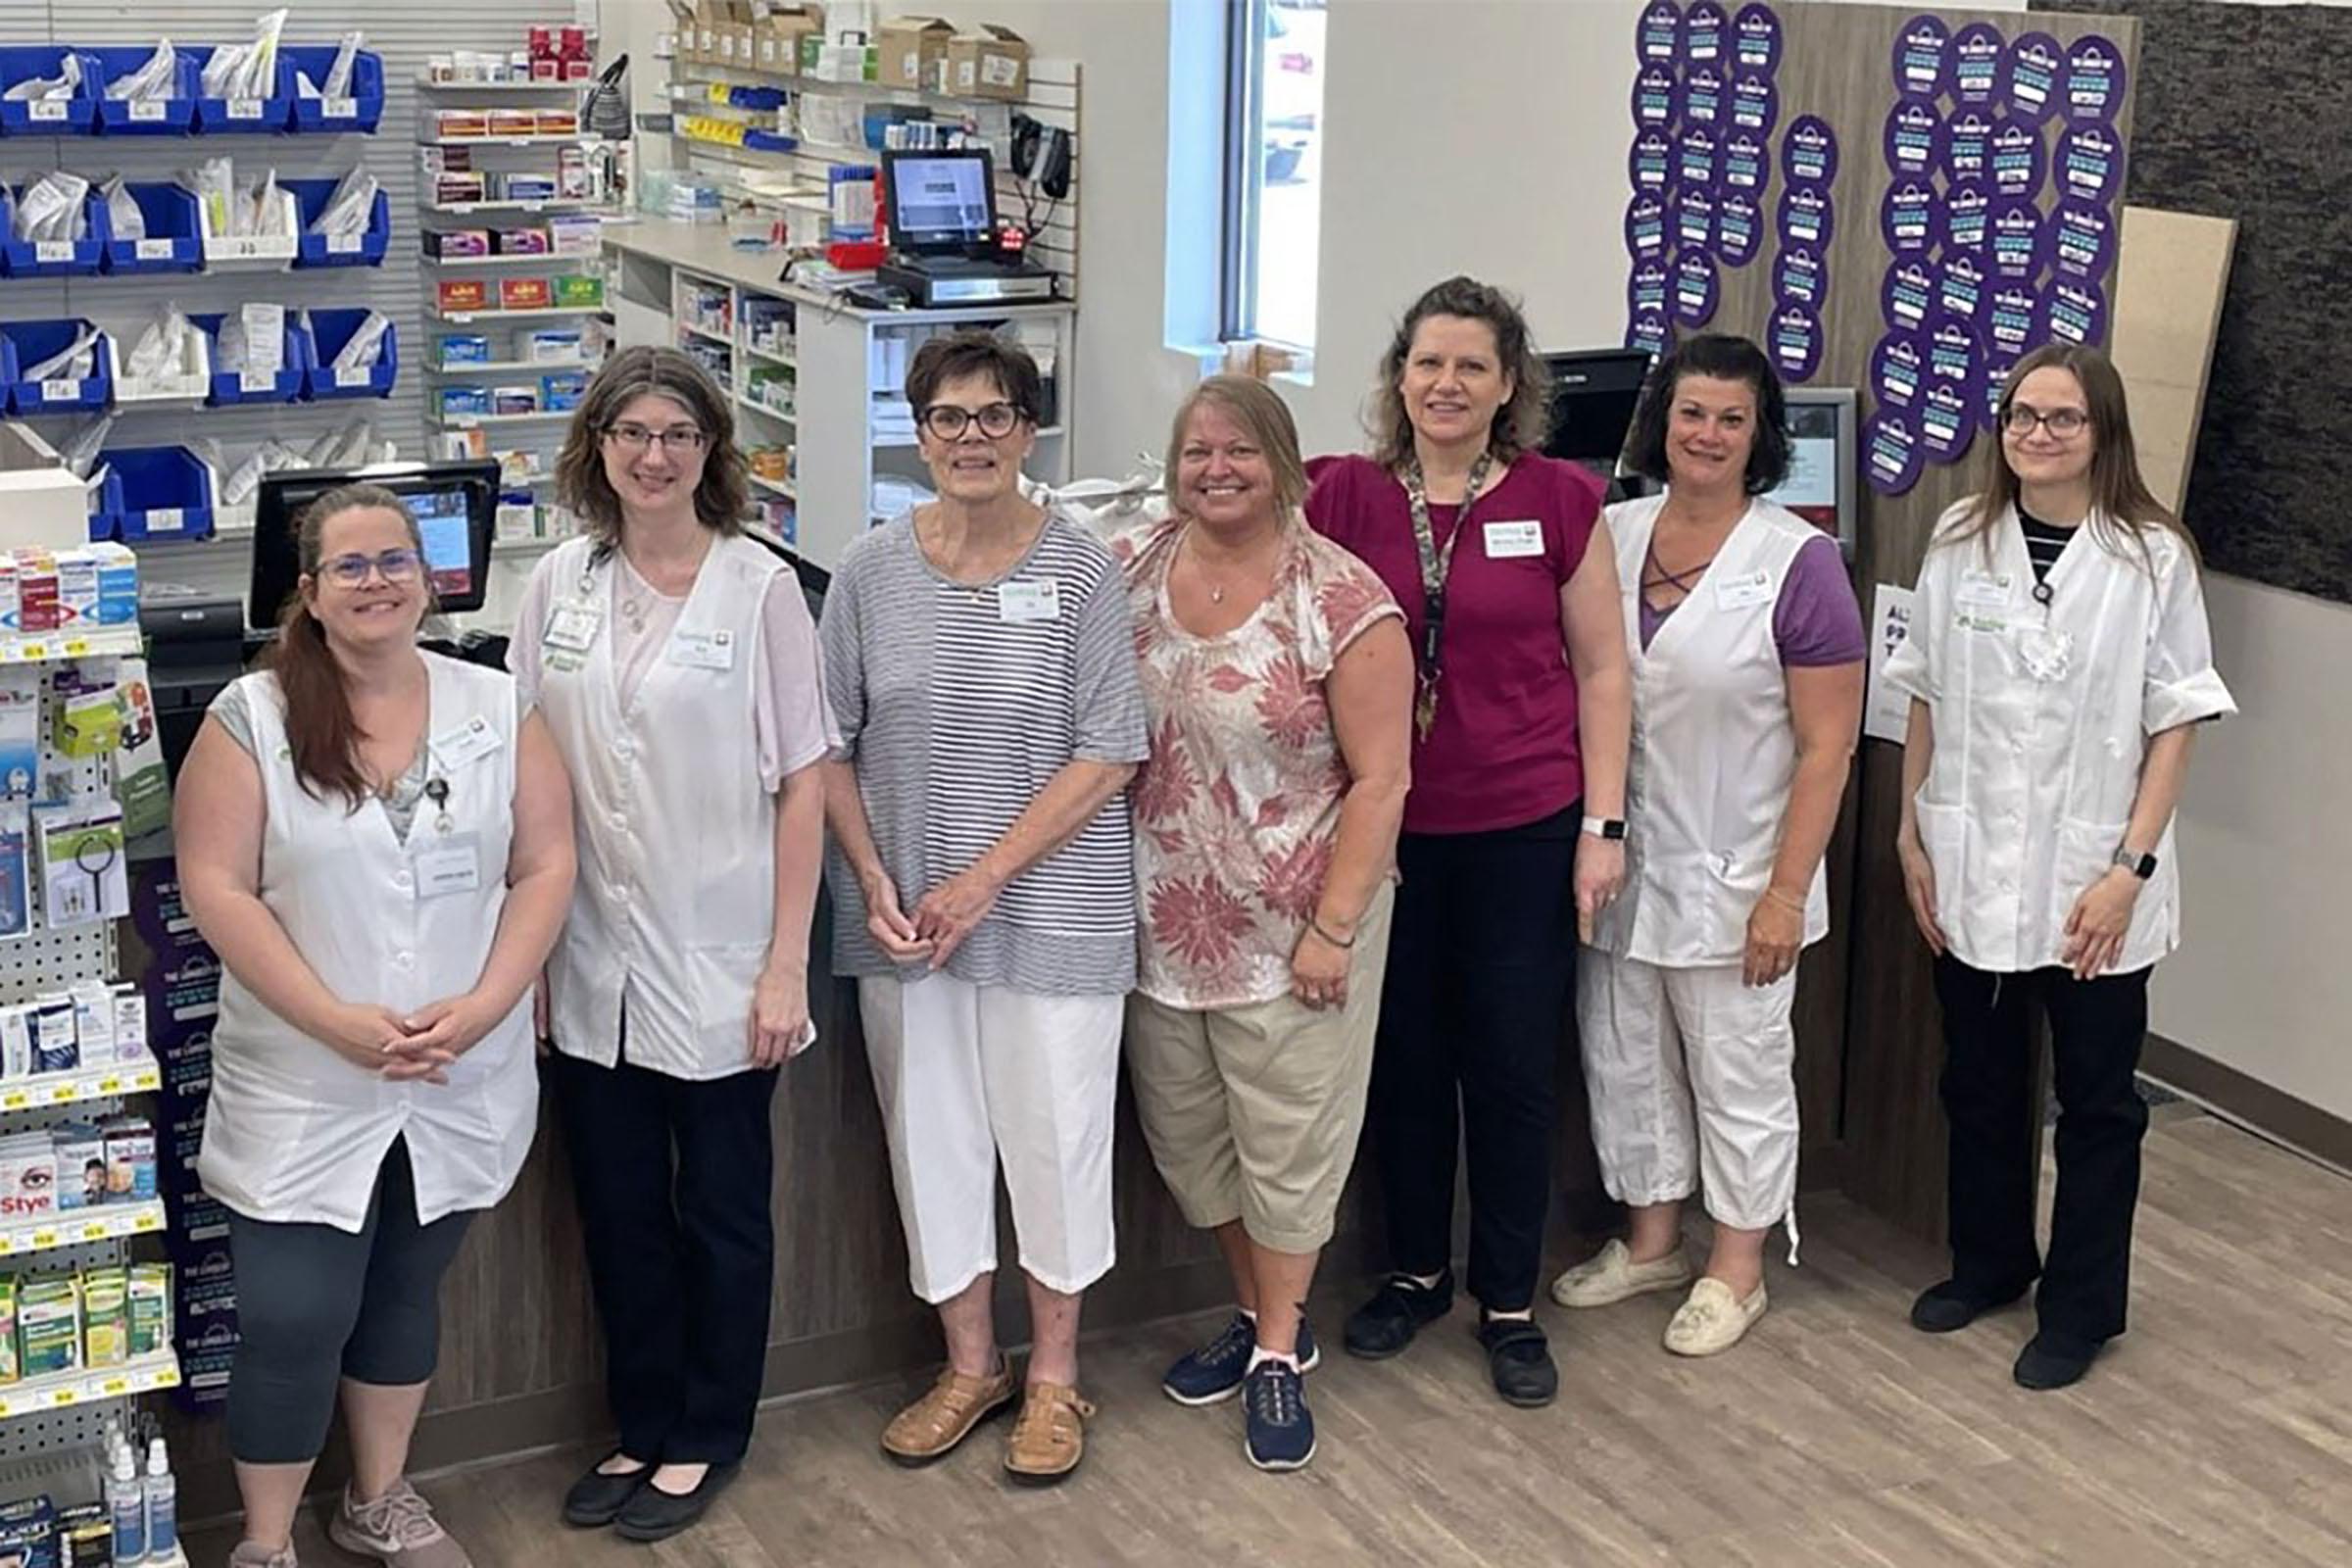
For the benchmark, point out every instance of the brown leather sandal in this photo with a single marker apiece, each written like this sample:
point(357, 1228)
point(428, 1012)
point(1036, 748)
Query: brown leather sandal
point(930, 1428)
point(1050, 1437)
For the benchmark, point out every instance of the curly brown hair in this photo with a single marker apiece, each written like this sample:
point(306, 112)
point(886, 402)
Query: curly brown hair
point(722, 497)
point(1524, 420)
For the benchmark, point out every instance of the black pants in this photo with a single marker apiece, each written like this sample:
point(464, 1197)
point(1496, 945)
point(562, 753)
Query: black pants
point(2097, 1029)
point(1482, 960)
point(316, 1304)
point(673, 1179)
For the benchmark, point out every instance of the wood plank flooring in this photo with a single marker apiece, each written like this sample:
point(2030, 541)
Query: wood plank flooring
point(2218, 1432)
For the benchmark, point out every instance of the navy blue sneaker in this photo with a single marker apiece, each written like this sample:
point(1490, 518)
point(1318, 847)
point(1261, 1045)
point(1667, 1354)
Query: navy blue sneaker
point(1281, 1428)
point(1214, 1371)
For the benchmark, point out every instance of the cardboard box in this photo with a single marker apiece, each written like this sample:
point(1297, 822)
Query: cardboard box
point(991, 63)
point(909, 47)
point(780, 36)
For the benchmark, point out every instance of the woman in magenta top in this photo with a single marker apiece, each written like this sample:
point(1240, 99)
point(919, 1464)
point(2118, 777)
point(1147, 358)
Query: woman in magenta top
point(1513, 831)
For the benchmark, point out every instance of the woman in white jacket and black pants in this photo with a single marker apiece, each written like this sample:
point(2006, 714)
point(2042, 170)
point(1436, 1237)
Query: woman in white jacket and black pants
point(2058, 663)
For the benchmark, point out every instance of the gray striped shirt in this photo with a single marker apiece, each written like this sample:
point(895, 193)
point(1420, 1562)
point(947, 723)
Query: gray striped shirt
point(957, 705)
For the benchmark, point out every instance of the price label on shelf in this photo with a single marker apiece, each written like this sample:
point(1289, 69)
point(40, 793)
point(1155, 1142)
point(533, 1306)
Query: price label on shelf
point(166, 519)
point(59, 1399)
point(62, 389)
point(155, 250)
point(76, 647)
point(344, 244)
point(340, 108)
point(96, 1230)
point(44, 1238)
point(112, 1084)
point(146, 1220)
point(47, 111)
point(33, 652)
point(244, 109)
point(147, 112)
point(257, 383)
point(146, 1078)
point(347, 379)
point(18, 1099)
point(51, 251)
point(64, 1094)
point(113, 1388)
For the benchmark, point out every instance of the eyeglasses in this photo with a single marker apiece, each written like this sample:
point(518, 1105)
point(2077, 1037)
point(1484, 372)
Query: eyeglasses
point(949, 422)
point(2060, 422)
point(678, 437)
point(395, 565)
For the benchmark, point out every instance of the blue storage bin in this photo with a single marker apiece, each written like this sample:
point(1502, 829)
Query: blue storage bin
point(361, 111)
point(169, 117)
point(232, 386)
point(172, 243)
point(158, 492)
point(24, 344)
point(243, 117)
point(65, 258)
point(328, 331)
point(76, 116)
point(311, 197)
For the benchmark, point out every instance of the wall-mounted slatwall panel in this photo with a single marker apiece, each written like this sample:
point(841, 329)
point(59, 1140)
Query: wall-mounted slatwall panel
point(1052, 101)
point(405, 35)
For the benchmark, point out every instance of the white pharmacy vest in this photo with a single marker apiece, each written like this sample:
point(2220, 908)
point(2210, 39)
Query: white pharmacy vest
point(2042, 714)
point(1714, 748)
point(675, 899)
point(294, 1133)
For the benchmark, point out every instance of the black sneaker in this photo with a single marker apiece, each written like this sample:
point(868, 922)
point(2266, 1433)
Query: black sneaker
point(1281, 1428)
point(2053, 1361)
point(1519, 1359)
point(1944, 1307)
point(1214, 1371)
point(1387, 1323)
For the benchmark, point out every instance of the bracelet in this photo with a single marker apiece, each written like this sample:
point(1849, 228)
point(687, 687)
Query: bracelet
point(1786, 901)
point(1314, 923)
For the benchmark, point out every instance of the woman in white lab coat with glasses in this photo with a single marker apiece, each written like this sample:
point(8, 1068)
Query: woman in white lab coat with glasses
point(2057, 666)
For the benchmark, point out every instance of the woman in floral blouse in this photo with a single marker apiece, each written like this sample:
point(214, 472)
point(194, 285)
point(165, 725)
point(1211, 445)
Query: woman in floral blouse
point(1279, 684)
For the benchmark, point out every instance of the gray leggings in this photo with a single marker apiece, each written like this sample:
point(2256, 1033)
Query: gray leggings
point(315, 1305)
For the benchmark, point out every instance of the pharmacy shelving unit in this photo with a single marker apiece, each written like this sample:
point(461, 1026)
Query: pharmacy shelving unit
point(524, 442)
point(50, 1424)
point(811, 375)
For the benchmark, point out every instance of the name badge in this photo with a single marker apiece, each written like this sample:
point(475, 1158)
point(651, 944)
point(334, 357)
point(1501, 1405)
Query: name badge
point(1981, 587)
point(474, 739)
point(702, 649)
point(572, 626)
point(1522, 537)
point(1020, 602)
point(447, 866)
point(1740, 593)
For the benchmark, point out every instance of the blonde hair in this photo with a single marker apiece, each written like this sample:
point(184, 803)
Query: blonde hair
point(1258, 410)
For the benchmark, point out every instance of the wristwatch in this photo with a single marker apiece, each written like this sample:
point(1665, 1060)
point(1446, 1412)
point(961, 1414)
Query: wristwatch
point(1606, 827)
point(2142, 866)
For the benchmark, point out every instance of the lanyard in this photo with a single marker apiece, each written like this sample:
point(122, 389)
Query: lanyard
point(1436, 566)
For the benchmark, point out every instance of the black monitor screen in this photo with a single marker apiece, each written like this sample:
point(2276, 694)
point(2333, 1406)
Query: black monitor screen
point(940, 200)
point(1593, 396)
point(455, 504)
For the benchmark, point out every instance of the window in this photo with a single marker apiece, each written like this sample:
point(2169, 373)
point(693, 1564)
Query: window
point(1273, 162)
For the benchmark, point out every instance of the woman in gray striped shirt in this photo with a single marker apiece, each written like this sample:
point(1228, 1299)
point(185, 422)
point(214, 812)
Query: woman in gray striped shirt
point(981, 666)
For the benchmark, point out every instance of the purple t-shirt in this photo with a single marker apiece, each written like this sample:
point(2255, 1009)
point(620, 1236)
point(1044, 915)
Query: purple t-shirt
point(1816, 620)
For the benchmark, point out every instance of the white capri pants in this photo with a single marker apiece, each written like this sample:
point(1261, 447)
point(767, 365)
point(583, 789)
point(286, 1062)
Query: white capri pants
point(1692, 1080)
point(967, 1074)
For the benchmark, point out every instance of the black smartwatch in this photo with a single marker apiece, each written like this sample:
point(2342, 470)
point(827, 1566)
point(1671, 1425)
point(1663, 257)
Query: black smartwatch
point(1606, 827)
point(2142, 866)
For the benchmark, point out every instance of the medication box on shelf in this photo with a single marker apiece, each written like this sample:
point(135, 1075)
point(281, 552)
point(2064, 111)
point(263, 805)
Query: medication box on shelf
point(524, 294)
point(991, 62)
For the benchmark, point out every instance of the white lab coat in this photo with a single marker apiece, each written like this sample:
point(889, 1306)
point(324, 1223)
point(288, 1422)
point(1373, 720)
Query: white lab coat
point(675, 900)
point(294, 1133)
point(2034, 776)
point(1714, 748)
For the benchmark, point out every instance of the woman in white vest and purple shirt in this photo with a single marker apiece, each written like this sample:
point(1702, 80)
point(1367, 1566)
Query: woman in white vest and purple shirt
point(1747, 655)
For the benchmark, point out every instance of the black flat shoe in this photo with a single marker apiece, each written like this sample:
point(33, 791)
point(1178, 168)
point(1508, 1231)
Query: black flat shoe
point(1943, 1308)
point(1519, 1359)
point(2053, 1361)
point(596, 1499)
point(656, 1515)
point(1387, 1323)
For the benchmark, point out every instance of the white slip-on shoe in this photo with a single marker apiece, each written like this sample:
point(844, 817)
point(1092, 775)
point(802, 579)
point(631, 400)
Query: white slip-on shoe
point(1713, 1319)
point(1611, 1275)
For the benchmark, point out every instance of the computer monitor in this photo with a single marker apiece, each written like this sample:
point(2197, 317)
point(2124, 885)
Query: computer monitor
point(456, 506)
point(1823, 461)
point(939, 201)
point(1594, 395)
